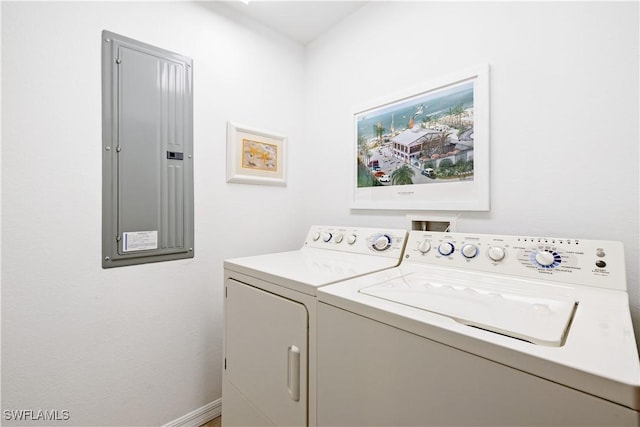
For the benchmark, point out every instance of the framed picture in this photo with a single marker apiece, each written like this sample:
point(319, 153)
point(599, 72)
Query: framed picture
point(255, 156)
point(426, 149)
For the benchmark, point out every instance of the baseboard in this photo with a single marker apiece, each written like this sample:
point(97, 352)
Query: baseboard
point(198, 417)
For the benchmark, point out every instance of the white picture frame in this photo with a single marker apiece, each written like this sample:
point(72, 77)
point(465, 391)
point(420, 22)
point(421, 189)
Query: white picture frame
point(255, 156)
point(404, 130)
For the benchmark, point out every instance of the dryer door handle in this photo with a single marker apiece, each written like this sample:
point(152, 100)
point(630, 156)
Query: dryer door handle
point(293, 374)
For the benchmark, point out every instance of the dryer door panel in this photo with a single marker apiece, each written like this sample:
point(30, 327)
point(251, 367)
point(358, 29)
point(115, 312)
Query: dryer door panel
point(266, 352)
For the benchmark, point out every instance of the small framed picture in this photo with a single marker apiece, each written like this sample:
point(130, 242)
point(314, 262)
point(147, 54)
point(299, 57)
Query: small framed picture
point(255, 156)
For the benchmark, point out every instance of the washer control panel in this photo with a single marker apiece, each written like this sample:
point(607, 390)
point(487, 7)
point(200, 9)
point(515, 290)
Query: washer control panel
point(388, 243)
point(585, 262)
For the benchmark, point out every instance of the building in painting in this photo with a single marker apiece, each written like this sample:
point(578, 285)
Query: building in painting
point(407, 145)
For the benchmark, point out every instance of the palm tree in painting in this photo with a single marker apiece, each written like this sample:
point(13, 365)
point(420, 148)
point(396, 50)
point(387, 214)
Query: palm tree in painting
point(363, 147)
point(402, 176)
point(458, 111)
point(379, 131)
point(429, 121)
point(439, 142)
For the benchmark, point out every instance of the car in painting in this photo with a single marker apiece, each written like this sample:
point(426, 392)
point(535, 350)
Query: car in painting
point(428, 172)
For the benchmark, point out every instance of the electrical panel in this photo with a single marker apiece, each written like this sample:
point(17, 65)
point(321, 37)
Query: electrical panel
point(147, 146)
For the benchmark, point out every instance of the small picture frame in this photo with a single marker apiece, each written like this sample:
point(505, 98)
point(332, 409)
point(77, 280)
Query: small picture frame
point(255, 156)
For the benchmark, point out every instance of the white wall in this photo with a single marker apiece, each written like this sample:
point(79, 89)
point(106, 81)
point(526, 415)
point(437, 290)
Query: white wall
point(142, 345)
point(564, 110)
point(135, 345)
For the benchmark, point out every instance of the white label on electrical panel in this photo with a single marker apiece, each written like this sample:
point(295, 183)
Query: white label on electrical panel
point(139, 240)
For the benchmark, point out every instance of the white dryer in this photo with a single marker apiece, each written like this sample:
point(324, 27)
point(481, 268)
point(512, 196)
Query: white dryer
point(269, 375)
point(482, 330)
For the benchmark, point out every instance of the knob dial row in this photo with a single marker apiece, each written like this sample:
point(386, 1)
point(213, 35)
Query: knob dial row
point(338, 238)
point(469, 250)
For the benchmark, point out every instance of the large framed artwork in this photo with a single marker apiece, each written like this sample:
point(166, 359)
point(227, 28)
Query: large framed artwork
point(426, 149)
point(255, 156)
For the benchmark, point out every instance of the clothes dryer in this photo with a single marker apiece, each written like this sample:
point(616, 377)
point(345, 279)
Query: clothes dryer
point(269, 373)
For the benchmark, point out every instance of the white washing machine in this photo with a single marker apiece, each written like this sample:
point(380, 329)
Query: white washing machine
point(269, 375)
point(482, 330)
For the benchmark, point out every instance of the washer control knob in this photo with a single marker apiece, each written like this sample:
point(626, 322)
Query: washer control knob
point(326, 237)
point(351, 239)
point(446, 248)
point(381, 242)
point(469, 250)
point(496, 253)
point(316, 236)
point(424, 246)
point(339, 237)
point(545, 258)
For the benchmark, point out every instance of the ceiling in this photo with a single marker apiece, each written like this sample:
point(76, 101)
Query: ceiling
point(299, 20)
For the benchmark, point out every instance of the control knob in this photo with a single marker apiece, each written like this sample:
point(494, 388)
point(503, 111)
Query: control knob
point(381, 242)
point(326, 237)
point(351, 239)
point(316, 236)
point(424, 246)
point(545, 258)
point(446, 248)
point(496, 253)
point(339, 237)
point(469, 250)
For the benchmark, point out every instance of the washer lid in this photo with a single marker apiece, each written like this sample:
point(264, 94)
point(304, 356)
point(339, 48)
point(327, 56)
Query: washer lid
point(535, 318)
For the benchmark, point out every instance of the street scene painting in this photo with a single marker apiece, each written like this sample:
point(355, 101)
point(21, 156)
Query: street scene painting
point(425, 139)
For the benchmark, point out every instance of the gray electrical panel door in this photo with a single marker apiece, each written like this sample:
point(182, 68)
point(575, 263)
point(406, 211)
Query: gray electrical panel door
point(147, 128)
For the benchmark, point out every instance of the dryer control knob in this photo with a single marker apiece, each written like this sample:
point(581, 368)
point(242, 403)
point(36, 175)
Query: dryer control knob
point(381, 242)
point(339, 237)
point(496, 253)
point(446, 248)
point(351, 239)
point(326, 237)
point(316, 236)
point(424, 246)
point(469, 250)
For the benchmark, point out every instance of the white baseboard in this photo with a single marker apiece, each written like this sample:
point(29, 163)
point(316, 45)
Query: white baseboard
point(198, 417)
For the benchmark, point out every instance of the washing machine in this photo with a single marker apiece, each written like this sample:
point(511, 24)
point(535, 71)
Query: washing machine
point(269, 376)
point(482, 330)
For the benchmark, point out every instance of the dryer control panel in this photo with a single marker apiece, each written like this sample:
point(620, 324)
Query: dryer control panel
point(597, 263)
point(373, 241)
